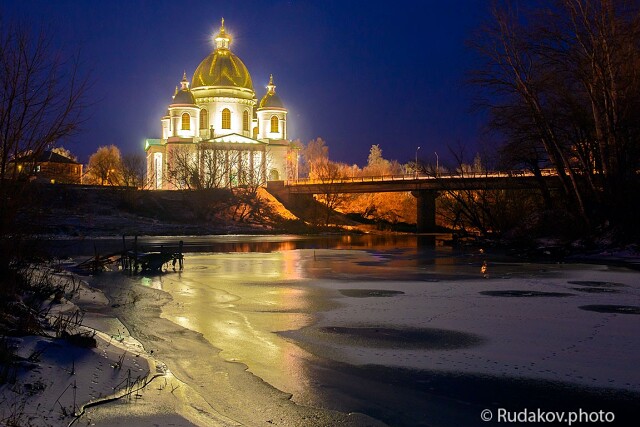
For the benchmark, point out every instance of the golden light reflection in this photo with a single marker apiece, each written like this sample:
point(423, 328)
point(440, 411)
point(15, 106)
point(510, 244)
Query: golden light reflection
point(239, 301)
point(292, 265)
point(184, 322)
point(252, 266)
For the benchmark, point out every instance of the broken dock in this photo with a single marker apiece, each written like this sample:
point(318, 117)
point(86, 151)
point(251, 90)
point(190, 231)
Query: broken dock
point(133, 260)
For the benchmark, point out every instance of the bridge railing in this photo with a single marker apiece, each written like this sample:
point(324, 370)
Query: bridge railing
point(417, 177)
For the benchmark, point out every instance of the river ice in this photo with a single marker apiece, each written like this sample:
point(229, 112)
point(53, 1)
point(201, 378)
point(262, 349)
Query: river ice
point(297, 319)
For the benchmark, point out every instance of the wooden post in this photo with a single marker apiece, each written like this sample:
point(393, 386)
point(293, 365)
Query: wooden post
point(96, 262)
point(124, 259)
point(135, 253)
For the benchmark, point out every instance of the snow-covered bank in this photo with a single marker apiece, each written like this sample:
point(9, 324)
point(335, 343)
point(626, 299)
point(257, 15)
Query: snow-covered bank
point(57, 378)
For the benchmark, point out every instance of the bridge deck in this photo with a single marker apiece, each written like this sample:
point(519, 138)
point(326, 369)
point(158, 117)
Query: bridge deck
point(391, 183)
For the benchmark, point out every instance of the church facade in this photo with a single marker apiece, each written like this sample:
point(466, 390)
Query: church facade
point(217, 134)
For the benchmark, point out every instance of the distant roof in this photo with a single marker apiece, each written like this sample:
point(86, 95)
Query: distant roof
point(47, 156)
point(151, 141)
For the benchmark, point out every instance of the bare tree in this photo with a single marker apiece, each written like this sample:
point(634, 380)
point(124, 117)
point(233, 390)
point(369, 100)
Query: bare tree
point(384, 207)
point(41, 95)
point(248, 202)
point(206, 166)
point(315, 156)
point(105, 167)
point(293, 160)
point(562, 85)
point(133, 170)
point(42, 98)
point(215, 165)
point(182, 167)
point(329, 174)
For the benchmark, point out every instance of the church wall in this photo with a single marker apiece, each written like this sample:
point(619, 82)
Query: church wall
point(277, 161)
point(166, 126)
point(264, 124)
point(155, 167)
point(176, 121)
point(215, 109)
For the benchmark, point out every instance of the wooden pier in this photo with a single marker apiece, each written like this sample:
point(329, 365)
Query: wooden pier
point(133, 260)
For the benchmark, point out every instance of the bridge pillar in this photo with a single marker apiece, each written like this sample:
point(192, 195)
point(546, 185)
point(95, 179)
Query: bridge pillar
point(426, 218)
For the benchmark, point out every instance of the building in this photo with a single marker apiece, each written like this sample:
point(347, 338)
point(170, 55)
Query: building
point(215, 132)
point(48, 166)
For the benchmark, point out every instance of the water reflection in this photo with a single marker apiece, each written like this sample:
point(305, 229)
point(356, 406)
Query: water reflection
point(241, 301)
point(391, 302)
point(245, 244)
point(238, 301)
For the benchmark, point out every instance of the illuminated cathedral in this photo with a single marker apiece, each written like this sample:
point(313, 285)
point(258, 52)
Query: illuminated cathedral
point(216, 134)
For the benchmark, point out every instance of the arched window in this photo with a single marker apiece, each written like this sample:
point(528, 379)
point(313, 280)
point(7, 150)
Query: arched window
point(226, 119)
point(245, 121)
point(204, 119)
point(274, 124)
point(186, 121)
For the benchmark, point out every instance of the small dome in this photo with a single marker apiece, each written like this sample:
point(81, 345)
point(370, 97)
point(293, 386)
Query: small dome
point(270, 99)
point(184, 97)
point(222, 67)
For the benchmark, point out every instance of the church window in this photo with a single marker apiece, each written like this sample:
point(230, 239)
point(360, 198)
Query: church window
point(204, 119)
point(186, 121)
point(226, 119)
point(245, 120)
point(274, 124)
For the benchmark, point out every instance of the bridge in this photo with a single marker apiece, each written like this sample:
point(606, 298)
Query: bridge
point(424, 187)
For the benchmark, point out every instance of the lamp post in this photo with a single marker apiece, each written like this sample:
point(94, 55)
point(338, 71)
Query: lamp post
point(437, 161)
point(416, 163)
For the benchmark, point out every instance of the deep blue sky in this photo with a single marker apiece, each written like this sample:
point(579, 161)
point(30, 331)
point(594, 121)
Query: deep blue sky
point(355, 73)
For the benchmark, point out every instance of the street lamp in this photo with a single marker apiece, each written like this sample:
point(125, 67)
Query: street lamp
point(437, 161)
point(416, 163)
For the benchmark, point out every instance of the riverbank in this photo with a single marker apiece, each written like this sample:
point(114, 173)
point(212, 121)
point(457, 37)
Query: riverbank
point(118, 380)
point(253, 278)
point(95, 211)
point(79, 361)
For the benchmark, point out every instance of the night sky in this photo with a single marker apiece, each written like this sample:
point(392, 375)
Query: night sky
point(355, 73)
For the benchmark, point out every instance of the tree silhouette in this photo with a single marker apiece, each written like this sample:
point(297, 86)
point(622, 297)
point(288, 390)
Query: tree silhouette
point(561, 84)
point(105, 167)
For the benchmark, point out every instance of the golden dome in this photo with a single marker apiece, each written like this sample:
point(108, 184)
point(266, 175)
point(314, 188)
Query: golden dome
point(222, 67)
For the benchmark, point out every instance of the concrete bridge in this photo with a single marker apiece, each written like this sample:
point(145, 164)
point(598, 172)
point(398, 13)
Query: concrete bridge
point(424, 187)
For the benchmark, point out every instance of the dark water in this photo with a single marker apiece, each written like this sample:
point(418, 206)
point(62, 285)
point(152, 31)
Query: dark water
point(395, 327)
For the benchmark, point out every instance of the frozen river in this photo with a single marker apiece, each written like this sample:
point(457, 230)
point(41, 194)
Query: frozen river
point(405, 334)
